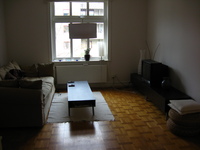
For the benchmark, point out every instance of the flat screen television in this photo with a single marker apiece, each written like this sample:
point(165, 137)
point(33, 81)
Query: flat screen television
point(153, 72)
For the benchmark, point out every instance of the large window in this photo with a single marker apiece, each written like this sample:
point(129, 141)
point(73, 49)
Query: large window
point(65, 13)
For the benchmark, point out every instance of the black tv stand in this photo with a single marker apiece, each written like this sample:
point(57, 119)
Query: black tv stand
point(157, 95)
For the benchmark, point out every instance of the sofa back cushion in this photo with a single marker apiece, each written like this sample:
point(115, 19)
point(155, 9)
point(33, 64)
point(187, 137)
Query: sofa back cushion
point(14, 74)
point(45, 70)
point(35, 70)
point(30, 71)
point(2, 73)
point(6, 68)
point(15, 65)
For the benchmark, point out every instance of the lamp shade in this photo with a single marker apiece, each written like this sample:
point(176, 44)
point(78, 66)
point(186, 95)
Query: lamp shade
point(82, 30)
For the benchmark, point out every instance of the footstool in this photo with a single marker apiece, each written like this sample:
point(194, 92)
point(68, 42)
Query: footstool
point(183, 125)
point(184, 117)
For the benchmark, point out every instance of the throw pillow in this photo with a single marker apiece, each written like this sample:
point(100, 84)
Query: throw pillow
point(9, 83)
point(2, 73)
point(45, 70)
point(5, 69)
point(30, 84)
point(15, 64)
point(9, 66)
point(14, 74)
point(9, 76)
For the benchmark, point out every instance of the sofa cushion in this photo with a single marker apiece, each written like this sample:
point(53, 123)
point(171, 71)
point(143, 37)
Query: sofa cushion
point(14, 74)
point(15, 65)
point(9, 83)
point(44, 79)
point(9, 76)
point(45, 69)
point(46, 89)
point(47, 84)
point(2, 73)
point(30, 71)
point(30, 84)
point(7, 68)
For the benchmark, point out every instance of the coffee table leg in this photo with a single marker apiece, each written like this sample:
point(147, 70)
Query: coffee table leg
point(93, 110)
point(69, 110)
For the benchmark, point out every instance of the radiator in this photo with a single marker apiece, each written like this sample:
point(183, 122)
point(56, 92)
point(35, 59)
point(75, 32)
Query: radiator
point(90, 73)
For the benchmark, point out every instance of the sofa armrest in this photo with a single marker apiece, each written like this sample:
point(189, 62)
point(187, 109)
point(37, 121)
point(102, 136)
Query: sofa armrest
point(21, 107)
point(23, 96)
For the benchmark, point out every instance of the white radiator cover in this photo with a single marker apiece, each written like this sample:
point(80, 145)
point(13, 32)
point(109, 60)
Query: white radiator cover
point(90, 73)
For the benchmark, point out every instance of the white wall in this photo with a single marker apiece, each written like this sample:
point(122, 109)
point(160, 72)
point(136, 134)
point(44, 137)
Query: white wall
point(28, 33)
point(175, 25)
point(128, 35)
point(3, 53)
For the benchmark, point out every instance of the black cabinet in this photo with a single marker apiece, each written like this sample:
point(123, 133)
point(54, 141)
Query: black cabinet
point(157, 95)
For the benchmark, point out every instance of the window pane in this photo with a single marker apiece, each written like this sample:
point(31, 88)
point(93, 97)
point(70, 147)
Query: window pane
point(62, 42)
point(79, 45)
point(96, 9)
point(96, 44)
point(97, 47)
point(79, 8)
point(100, 30)
point(61, 9)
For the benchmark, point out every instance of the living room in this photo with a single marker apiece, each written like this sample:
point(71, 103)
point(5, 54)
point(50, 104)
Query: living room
point(174, 26)
point(171, 30)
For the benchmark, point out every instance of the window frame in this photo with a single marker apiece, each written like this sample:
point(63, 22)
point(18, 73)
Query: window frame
point(69, 19)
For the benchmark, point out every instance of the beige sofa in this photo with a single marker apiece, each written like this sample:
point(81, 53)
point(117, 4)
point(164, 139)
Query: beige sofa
point(25, 100)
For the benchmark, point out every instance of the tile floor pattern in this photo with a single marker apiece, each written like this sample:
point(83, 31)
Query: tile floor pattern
point(138, 125)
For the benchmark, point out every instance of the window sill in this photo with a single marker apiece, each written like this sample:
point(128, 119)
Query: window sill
point(78, 60)
point(64, 62)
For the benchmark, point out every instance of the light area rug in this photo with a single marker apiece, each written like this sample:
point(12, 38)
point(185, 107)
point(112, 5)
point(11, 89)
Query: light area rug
point(59, 110)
